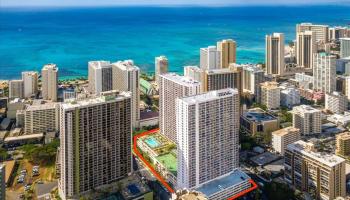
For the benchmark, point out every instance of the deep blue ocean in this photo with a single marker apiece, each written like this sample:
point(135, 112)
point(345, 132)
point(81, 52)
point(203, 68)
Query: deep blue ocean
point(70, 37)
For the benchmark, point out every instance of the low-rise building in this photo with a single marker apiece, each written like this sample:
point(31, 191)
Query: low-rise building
point(258, 121)
point(336, 102)
point(41, 118)
point(343, 144)
point(283, 137)
point(307, 119)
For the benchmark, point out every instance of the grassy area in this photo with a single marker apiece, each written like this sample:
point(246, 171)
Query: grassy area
point(169, 161)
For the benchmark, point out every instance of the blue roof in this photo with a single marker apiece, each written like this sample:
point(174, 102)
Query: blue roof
point(258, 116)
point(217, 185)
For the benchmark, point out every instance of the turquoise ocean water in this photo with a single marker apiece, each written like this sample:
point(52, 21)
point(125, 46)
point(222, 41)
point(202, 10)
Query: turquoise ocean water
point(70, 37)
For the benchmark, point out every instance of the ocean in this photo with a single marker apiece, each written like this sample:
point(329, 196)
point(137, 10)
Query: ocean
point(70, 37)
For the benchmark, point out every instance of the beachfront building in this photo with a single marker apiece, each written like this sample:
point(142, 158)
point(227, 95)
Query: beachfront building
point(161, 66)
point(195, 73)
point(344, 47)
point(322, 175)
point(227, 49)
point(49, 83)
point(126, 76)
point(305, 48)
point(307, 119)
point(203, 154)
point(95, 142)
point(16, 89)
point(30, 83)
point(321, 31)
point(336, 102)
point(270, 95)
point(324, 72)
point(283, 137)
point(274, 59)
point(100, 76)
point(343, 144)
point(210, 58)
point(171, 87)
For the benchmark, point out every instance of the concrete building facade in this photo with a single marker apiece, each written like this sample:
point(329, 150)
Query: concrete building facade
point(49, 82)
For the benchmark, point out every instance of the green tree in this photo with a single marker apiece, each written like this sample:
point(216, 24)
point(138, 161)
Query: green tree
point(3, 154)
point(276, 190)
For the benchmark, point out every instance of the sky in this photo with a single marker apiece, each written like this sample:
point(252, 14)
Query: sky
point(163, 2)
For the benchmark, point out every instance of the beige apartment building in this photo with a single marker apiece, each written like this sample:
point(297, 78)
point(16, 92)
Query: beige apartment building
point(321, 175)
point(270, 95)
point(227, 49)
point(16, 89)
point(95, 143)
point(283, 137)
point(321, 31)
point(343, 144)
point(30, 83)
point(336, 102)
point(49, 82)
point(307, 119)
point(161, 66)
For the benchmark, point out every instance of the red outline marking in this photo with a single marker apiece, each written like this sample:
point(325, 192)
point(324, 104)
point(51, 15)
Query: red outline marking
point(161, 179)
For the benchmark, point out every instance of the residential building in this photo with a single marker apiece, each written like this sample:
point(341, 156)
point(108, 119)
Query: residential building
point(49, 82)
point(208, 136)
point(283, 137)
point(344, 47)
point(324, 72)
point(252, 76)
point(171, 87)
point(305, 48)
point(343, 66)
point(16, 89)
point(335, 33)
point(255, 121)
point(290, 97)
point(161, 65)
point(336, 102)
point(270, 95)
point(126, 78)
point(305, 81)
point(322, 175)
point(227, 49)
point(100, 76)
point(30, 83)
point(3, 181)
point(347, 86)
point(41, 118)
point(210, 58)
point(194, 72)
point(275, 64)
point(95, 143)
point(343, 144)
point(307, 119)
point(321, 31)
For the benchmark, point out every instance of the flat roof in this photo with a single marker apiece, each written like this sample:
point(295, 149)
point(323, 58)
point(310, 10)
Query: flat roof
point(343, 136)
point(285, 131)
point(169, 161)
point(330, 160)
point(212, 95)
point(24, 137)
point(127, 65)
point(258, 115)
point(181, 80)
point(305, 109)
point(219, 184)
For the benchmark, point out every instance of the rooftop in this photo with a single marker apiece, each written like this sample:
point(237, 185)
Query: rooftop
point(181, 80)
point(258, 115)
point(50, 66)
point(269, 85)
point(305, 109)
point(127, 65)
point(343, 136)
point(169, 161)
point(212, 95)
point(285, 131)
point(330, 160)
point(148, 114)
point(217, 185)
point(43, 106)
point(99, 64)
point(220, 71)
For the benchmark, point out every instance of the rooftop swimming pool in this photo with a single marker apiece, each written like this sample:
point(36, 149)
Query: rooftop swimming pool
point(152, 142)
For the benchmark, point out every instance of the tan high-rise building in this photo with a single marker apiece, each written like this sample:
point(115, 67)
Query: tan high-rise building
point(336, 102)
point(95, 143)
point(49, 82)
point(343, 144)
point(305, 48)
point(321, 175)
point(270, 95)
point(16, 89)
point(307, 119)
point(30, 83)
point(41, 118)
point(275, 64)
point(100, 76)
point(161, 66)
point(227, 50)
point(321, 31)
point(126, 77)
point(171, 87)
point(283, 137)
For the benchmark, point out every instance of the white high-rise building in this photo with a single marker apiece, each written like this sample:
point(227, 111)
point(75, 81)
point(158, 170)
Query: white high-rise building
point(49, 82)
point(283, 137)
point(324, 72)
point(252, 76)
point(290, 96)
point(307, 119)
point(336, 102)
point(95, 143)
point(210, 58)
point(321, 31)
point(16, 89)
point(208, 136)
point(171, 87)
point(30, 83)
point(100, 76)
point(275, 64)
point(161, 65)
point(344, 47)
point(305, 48)
point(126, 78)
